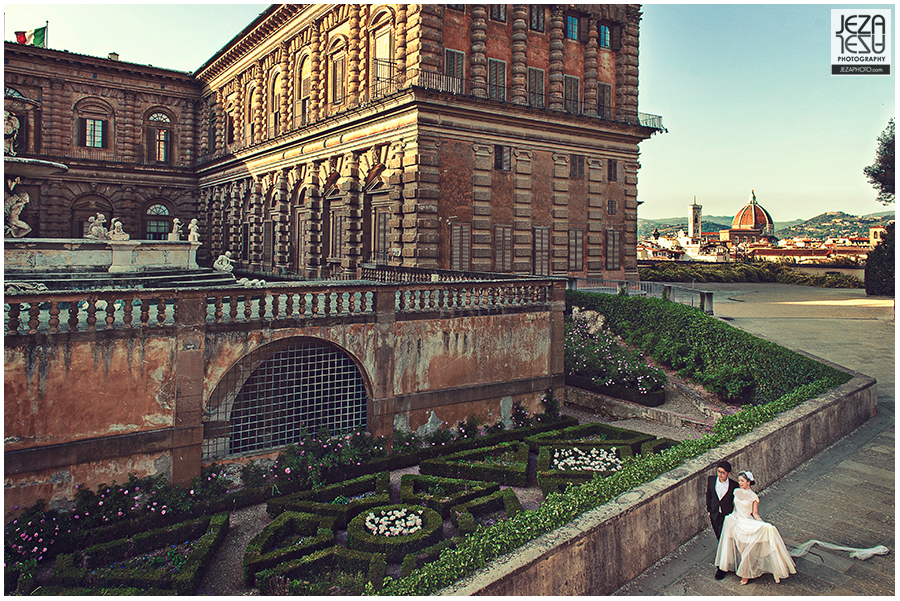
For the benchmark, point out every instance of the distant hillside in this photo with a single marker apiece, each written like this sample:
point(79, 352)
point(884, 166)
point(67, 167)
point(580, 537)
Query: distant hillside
point(827, 225)
point(835, 224)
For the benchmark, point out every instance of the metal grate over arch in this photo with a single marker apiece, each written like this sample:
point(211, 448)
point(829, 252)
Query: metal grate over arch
point(277, 392)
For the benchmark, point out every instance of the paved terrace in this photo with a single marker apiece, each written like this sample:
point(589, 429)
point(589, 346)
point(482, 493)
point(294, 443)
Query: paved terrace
point(845, 494)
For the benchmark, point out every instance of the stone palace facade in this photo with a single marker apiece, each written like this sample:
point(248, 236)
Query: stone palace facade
point(500, 138)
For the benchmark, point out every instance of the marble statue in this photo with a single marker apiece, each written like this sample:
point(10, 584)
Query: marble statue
point(224, 263)
point(175, 234)
point(117, 233)
point(13, 206)
point(10, 132)
point(96, 229)
point(193, 231)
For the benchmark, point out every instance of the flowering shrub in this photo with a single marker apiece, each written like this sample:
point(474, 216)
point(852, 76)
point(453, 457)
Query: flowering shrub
point(592, 352)
point(597, 460)
point(397, 522)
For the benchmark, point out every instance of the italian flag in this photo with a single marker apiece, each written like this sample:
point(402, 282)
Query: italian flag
point(35, 37)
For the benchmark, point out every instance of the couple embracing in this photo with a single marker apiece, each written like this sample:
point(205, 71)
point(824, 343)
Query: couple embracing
point(748, 546)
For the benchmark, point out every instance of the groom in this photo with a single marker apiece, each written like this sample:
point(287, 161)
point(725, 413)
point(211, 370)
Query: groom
point(720, 500)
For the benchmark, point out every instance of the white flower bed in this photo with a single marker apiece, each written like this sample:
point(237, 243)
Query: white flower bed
point(396, 522)
point(598, 460)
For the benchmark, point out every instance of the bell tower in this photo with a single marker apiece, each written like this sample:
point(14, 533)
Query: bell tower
point(694, 220)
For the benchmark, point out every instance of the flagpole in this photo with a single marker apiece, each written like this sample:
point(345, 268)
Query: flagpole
point(46, 34)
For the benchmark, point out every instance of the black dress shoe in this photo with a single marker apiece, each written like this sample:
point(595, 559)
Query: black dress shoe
point(720, 575)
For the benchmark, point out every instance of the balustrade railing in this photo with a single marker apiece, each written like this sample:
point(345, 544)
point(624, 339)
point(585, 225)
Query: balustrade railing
point(72, 312)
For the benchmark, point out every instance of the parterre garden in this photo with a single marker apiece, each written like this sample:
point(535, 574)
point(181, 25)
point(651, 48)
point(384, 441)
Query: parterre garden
point(335, 527)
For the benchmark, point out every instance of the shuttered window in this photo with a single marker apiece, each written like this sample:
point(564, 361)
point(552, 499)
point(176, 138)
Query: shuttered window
point(338, 79)
point(536, 17)
point(503, 248)
point(382, 235)
point(337, 236)
point(536, 87)
point(576, 166)
point(92, 133)
point(542, 251)
point(498, 12)
point(497, 79)
point(612, 170)
point(604, 36)
point(576, 250)
point(613, 249)
point(460, 247)
point(454, 71)
point(572, 95)
point(615, 37)
point(604, 101)
point(612, 207)
point(268, 243)
point(502, 158)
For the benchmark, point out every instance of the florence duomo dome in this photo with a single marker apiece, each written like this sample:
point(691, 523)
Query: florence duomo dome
point(753, 217)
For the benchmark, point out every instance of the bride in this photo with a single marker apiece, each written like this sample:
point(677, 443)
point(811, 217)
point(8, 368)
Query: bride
point(749, 546)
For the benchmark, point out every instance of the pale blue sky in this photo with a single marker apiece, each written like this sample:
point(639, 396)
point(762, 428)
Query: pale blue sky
point(745, 90)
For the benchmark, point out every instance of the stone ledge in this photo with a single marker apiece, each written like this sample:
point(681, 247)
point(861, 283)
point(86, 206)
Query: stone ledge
point(605, 548)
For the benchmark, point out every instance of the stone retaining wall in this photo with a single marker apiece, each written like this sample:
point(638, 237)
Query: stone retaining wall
point(605, 548)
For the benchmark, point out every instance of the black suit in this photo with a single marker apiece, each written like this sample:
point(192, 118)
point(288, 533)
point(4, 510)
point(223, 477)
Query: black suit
point(719, 509)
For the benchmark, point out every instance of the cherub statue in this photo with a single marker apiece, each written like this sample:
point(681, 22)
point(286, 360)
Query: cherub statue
point(193, 231)
point(117, 233)
point(175, 234)
point(13, 206)
point(96, 229)
point(224, 262)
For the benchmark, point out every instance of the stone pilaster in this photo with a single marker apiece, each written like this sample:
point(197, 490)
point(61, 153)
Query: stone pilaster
point(421, 194)
point(60, 119)
point(401, 56)
point(424, 37)
point(220, 123)
point(394, 174)
point(630, 208)
point(557, 57)
point(482, 191)
point(519, 65)
point(478, 52)
point(239, 116)
point(596, 217)
point(191, 124)
point(559, 235)
point(522, 210)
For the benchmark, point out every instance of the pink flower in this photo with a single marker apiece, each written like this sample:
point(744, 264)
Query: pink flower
point(287, 470)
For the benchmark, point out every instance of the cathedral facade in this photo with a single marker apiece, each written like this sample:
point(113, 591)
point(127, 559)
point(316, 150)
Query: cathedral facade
point(497, 138)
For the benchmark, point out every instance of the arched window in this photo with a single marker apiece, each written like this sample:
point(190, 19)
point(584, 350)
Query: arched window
point(337, 70)
point(301, 110)
point(275, 105)
point(157, 222)
point(160, 138)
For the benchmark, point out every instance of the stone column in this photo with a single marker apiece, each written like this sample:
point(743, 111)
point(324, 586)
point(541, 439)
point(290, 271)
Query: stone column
point(590, 71)
point(477, 54)
point(629, 236)
point(400, 49)
point(284, 108)
point(482, 187)
point(234, 222)
point(351, 189)
point(131, 129)
point(627, 69)
point(519, 45)
point(522, 211)
point(258, 106)
point(255, 219)
point(281, 219)
point(557, 56)
point(315, 74)
point(353, 56)
point(220, 122)
point(394, 175)
point(315, 251)
point(60, 119)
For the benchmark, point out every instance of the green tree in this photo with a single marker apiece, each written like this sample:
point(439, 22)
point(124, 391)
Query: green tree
point(881, 173)
point(880, 266)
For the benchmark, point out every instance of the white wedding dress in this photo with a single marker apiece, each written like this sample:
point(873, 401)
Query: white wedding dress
point(749, 547)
